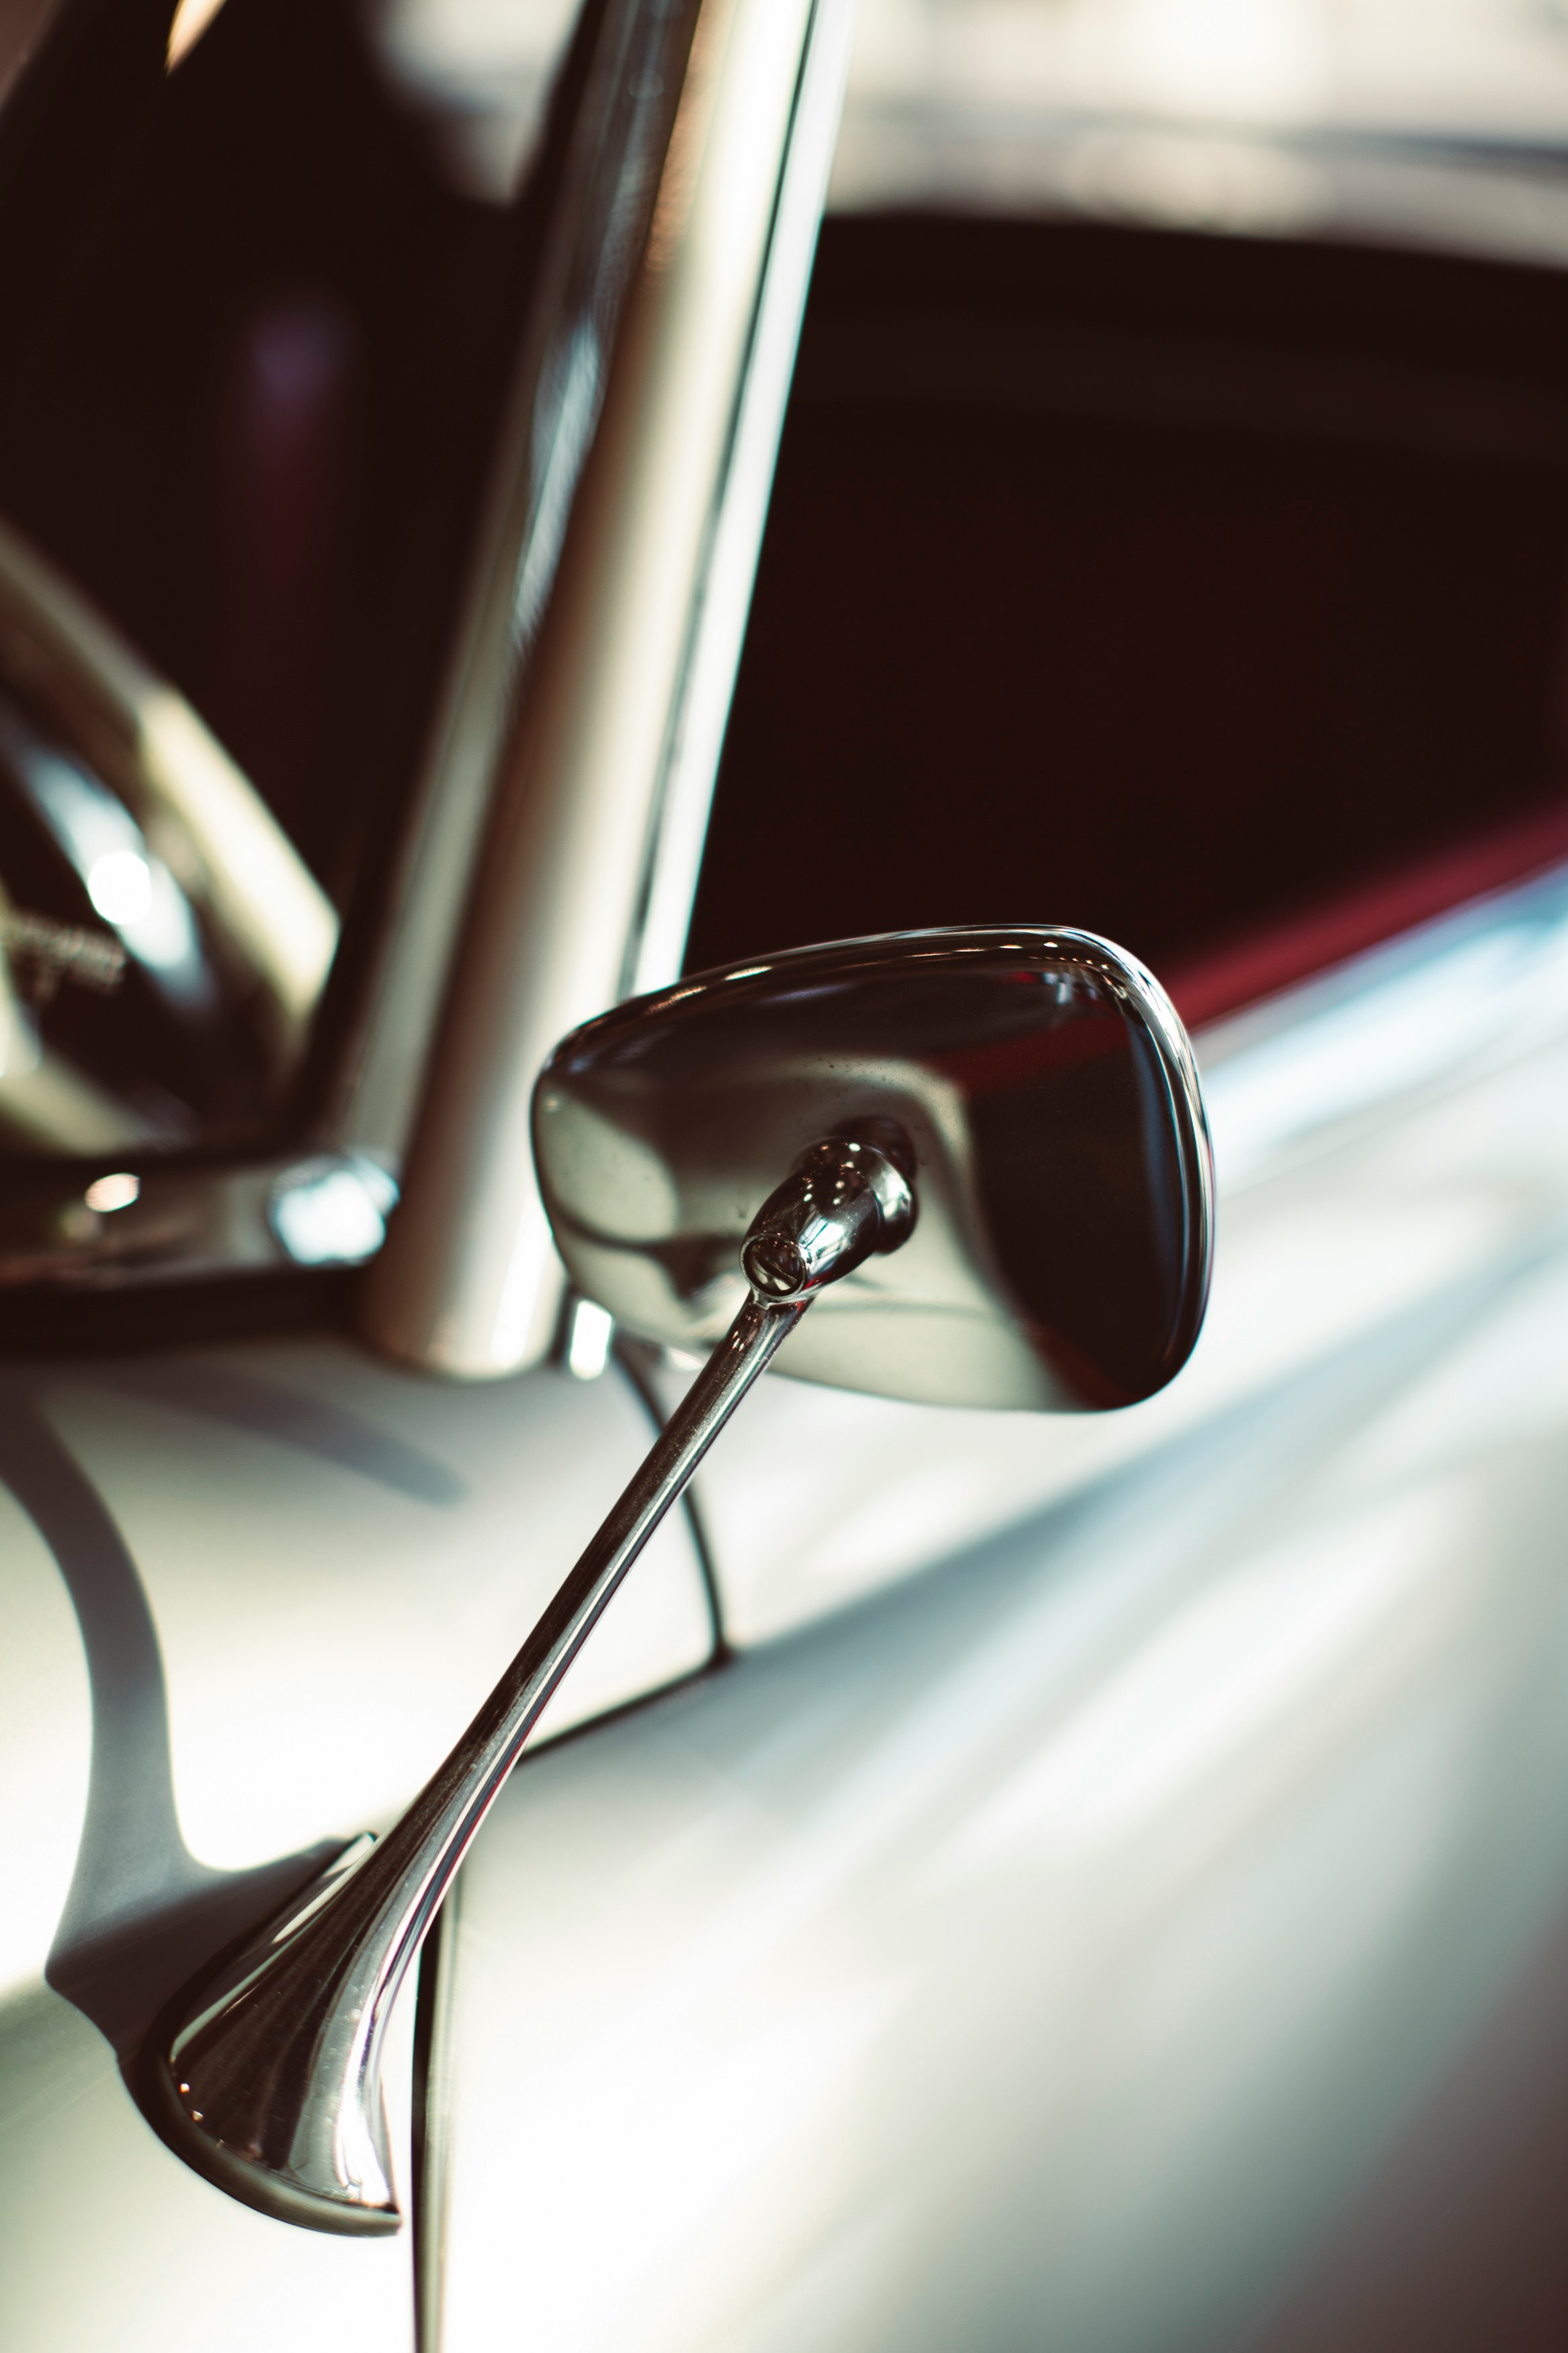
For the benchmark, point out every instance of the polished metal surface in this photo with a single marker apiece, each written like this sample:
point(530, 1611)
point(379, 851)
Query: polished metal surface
point(103, 1227)
point(566, 366)
point(845, 1200)
point(164, 947)
point(271, 2085)
point(625, 685)
point(1045, 1089)
point(718, 622)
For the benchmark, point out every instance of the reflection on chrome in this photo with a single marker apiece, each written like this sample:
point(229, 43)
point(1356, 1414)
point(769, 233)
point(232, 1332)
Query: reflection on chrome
point(128, 886)
point(1038, 1079)
point(333, 1212)
point(117, 1191)
point(590, 1333)
point(626, 701)
point(119, 885)
point(259, 887)
point(164, 945)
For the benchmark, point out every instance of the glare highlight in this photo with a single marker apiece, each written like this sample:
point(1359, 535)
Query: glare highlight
point(119, 885)
point(333, 1212)
point(191, 20)
point(114, 1192)
point(588, 1348)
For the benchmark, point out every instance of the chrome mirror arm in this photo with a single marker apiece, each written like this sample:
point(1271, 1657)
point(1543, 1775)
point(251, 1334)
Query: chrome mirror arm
point(270, 2082)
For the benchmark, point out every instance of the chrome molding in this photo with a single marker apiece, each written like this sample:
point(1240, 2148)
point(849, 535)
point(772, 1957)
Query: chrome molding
point(170, 768)
point(618, 153)
point(723, 603)
point(112, 1231)
point(627, 685)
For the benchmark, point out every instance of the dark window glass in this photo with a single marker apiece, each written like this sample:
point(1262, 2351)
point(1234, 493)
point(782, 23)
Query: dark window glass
point(1176, 586)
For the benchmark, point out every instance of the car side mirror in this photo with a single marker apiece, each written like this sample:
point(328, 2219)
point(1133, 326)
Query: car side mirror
point(982, 1151)
point(1035, 1090)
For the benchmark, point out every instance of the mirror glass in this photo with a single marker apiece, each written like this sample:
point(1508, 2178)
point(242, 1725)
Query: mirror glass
point(1042, 1085)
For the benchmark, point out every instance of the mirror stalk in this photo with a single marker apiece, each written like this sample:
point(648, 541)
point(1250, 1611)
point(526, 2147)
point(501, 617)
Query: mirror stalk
point(269, 2083)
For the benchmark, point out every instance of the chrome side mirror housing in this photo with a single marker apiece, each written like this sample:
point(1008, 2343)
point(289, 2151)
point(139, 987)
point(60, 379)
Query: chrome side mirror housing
point(982, 1153)
point(1042, 1090)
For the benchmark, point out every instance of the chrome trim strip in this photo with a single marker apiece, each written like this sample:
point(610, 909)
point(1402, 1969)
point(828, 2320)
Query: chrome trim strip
point(470, 1282)
point(586, 281)
point(723, 605)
